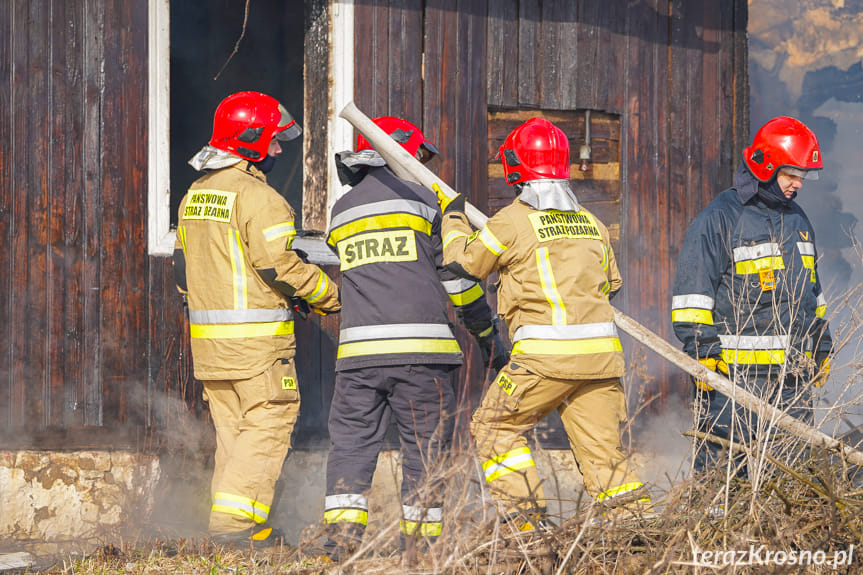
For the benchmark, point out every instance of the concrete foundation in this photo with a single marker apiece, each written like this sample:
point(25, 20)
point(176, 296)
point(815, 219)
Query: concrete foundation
point(56, 497)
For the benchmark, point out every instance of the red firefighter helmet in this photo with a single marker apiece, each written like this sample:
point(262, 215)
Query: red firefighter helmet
point(409, 136)
point(535, 150)
point(783, 142)
point(246, 122)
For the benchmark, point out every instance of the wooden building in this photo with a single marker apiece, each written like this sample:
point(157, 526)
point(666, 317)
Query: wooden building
point(94, 346)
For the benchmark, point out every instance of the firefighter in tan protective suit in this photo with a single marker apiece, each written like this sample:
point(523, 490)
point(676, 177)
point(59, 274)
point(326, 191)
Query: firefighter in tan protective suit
point(233, 260)
point(557, 272)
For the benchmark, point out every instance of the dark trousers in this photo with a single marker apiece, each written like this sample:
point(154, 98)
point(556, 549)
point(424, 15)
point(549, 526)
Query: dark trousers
point(421, 399)
point(718, 417)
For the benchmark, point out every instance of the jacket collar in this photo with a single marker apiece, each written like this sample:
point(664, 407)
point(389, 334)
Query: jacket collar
point(745, 183)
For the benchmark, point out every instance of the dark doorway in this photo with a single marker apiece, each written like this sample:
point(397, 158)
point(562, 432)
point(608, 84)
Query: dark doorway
point(269, 59)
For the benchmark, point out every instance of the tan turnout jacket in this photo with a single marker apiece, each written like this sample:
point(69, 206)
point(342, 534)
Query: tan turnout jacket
point(234, 260)
point(556, 272)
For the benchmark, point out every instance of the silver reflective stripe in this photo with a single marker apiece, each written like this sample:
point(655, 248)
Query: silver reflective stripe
point(386, 207)
point(207, 316)
point(692, 300)
point(239, 267)
point(508, 464)
point(806, 248)
point(744, 253)
point(429, 515)
point(346, 501)
point(577, 331)
point(753, 341)
point(457, 286)
point(395, 331)
point(279, 230)
point(248, 509)
point(820, 300)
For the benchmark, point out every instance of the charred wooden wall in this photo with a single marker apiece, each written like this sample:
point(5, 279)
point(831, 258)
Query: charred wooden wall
point(73, 119)
point(673, 71)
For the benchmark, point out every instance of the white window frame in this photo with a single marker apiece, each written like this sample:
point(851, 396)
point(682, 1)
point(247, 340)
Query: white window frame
point(160, 237)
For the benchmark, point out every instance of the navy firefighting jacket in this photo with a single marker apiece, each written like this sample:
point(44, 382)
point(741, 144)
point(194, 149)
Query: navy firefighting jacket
point(747, 286)
point(386, 232)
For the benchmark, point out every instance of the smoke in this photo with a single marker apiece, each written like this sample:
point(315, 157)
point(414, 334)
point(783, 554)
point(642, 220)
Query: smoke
point(805, 62)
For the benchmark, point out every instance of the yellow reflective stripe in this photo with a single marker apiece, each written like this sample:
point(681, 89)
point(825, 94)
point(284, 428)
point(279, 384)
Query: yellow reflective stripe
point(626, 487)
point(486, 331)
point(693, 315)
point(496, 467)
point(567, 346)
point(237, 330)
point(422, 529)
point(387, 346)
point(320, 288)
point(450, 237)
point(360, 516)
point(761, 264)
point(491, 242)
point(466, 297)
point(549, 287)
point(279, 231)
point(382, 222)
point(808, 262)
point(821, 311)
point(238, 268)
point(242, 506)
point(181, 232)
point(754, 356)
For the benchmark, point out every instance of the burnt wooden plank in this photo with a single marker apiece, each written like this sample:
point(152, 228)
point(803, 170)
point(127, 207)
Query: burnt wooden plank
point(615, 20)
point(7, 186)
point(684, 105)
point(405, 60)
point(471, 109)
point(31, 132)
point(502, 53)
point(605, 72)
point(91, 383)
point(569, 55)
point(711, 89)
point(64, 212)
point(125, 261)
point(589, 70)
point(475, 178)
point(741, 82)
point(316, 81)
point(440, 94)
point(602, 126)
point(368, 57)
point(549, 59)
point(529, 22)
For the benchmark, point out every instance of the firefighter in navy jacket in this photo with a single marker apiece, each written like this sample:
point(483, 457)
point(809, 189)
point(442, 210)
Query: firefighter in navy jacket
point(747, 297)
point(396, 346)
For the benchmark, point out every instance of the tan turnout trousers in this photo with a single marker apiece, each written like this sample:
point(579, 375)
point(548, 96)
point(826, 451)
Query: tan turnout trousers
point(254, 419)
point(591, 410)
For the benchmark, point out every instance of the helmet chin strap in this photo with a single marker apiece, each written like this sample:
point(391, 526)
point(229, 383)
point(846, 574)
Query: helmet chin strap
point(266, 164)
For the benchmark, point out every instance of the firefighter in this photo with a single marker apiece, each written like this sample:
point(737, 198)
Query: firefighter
point(557, 273)
point(234, 263)
point(396, 346)
point(747, 297)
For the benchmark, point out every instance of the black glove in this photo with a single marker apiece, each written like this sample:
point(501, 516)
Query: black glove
point(302, 255)
point(493, 350)
point(300, 306)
